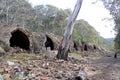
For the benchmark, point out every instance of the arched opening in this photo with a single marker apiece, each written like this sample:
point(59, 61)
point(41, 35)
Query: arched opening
point(94, 47)
point(85, 48)
point(19, 39)
point(75, 46)
point(49, 43)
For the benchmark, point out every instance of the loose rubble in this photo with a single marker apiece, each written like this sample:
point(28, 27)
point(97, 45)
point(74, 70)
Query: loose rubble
point(36, 67)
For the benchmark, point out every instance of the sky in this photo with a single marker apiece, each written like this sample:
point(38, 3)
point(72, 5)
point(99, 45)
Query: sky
point(94, 14)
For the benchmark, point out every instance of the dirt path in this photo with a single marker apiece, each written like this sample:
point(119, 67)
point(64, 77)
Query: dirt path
point(110, 68)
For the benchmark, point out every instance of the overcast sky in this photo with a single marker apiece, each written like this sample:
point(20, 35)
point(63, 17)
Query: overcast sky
point(92, 13)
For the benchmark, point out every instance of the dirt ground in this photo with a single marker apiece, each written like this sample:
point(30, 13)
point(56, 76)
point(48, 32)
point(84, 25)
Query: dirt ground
point(89, 66)
point(109, 66)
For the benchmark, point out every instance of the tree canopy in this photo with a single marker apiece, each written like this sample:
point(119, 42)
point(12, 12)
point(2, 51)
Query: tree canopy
point(114, 7)
point(85, 32)
point(46, 18)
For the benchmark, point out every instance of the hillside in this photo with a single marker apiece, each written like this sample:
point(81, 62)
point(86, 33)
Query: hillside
point(110, 40)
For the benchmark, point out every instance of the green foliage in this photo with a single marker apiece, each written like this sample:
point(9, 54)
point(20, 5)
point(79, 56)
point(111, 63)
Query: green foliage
point(15, 78)
point(114, 7)
point(14, 11)
point(84, 32)
point(52, 18)
point(108, 45)
point(77, 36)
point(117, 41)
point(33, 25)
point(46, 18)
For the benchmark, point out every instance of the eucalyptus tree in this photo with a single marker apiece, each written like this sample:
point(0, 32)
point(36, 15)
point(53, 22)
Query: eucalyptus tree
point(81, 30)
point(64, 46)
point(52, 18)
point(114, 7)
point(14, 11)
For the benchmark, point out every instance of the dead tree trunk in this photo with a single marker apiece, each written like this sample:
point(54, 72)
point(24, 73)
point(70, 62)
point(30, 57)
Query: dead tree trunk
point(64, 46)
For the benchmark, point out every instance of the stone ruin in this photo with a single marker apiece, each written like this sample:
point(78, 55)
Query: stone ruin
point(16, 36)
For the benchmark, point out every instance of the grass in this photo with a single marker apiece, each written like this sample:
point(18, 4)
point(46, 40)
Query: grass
point(15, 78)
point(75, 55)
point(78, 55)
point(22, 57)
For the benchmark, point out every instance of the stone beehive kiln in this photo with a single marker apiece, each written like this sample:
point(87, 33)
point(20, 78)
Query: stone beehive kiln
point(52, 41)
point(12, 36)
point(15, 36)
point(5, 34)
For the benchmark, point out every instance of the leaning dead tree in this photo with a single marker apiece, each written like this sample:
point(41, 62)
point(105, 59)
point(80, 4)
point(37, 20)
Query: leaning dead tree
point(64, 46)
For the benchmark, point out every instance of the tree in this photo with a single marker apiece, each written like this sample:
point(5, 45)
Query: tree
point(14, 11)
point(81, 30)
point(114, 7)
point(64, 46)
point(41, 18)
point(53, 19)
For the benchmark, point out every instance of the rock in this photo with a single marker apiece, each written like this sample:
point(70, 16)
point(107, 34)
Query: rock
point(6, 76)
point(28, 68)
point(37, 78)
point(60, 61)
point(2, 51)
point(43, 78)
point(45, 72)
point(58, 76)
point(48, 53)
point(81, 74)
point(16, 69)
point(8, 69)
point(45, 65)
point(10, 63)
point(32, 75)
point(21, 75)
point(1, 70)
